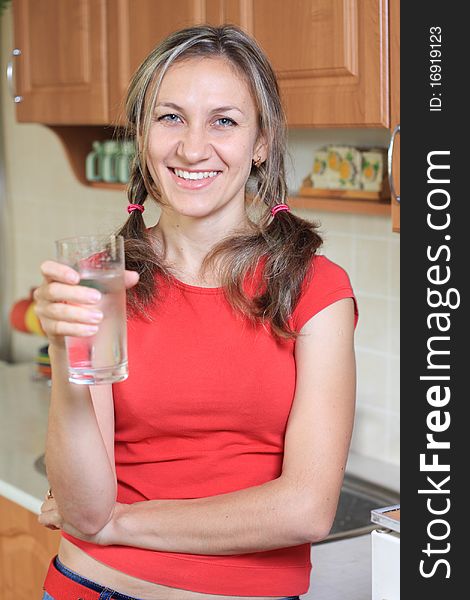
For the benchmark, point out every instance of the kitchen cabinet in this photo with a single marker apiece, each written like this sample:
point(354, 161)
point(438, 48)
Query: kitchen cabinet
point(26, 549)
point(74, 59)
point(330, 56)
point(77, 57)
point(60, 69)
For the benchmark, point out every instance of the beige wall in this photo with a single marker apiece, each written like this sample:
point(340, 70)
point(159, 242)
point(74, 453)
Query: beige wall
point(45, 202)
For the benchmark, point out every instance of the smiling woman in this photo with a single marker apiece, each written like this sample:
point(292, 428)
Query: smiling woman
point(210, 470)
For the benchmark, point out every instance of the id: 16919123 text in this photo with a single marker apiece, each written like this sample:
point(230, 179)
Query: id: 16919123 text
point(435, 68)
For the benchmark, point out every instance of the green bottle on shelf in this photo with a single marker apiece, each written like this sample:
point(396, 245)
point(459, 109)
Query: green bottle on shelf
point(109, 169)
point(124, 160)
point(94, 162)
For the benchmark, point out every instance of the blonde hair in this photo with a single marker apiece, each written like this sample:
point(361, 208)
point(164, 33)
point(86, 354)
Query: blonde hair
point(282, 246)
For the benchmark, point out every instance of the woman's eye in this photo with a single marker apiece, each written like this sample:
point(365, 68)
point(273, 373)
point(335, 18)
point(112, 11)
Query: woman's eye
point(170, 118)
point(225, 122)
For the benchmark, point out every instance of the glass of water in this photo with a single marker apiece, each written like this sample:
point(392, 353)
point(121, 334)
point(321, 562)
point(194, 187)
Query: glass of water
point(99, 260)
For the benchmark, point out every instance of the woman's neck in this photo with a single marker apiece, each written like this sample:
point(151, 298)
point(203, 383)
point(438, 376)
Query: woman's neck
point(186, 242)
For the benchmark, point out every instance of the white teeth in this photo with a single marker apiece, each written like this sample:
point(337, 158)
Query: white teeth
point(194, 174)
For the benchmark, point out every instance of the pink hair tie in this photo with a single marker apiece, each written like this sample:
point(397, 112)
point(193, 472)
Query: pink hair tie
point(279, 208)
point(133, 207)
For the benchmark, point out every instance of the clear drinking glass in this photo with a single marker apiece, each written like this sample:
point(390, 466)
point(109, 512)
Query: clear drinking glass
point(99, 259)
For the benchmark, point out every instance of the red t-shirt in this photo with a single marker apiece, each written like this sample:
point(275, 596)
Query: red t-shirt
point(204, 412)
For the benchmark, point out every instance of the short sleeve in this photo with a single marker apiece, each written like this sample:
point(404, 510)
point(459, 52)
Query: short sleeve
point(325, 283)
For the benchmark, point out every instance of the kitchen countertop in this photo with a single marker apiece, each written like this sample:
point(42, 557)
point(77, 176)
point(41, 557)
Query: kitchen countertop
point(337, 566)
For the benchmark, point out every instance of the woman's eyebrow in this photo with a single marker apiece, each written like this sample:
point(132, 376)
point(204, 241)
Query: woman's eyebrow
point(226, 108)
point(169, 105)
point(181, 109)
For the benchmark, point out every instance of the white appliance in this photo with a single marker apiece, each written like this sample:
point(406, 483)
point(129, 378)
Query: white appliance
point(386, 554)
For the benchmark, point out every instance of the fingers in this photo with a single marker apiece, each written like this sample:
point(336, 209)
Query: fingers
point(68, 310)
point(64, 328)
point(60, 292)
point(49, 516)
point(65, 308)
point(49, 502)
point(54, 271)
point(130, 278)
point(50, 519)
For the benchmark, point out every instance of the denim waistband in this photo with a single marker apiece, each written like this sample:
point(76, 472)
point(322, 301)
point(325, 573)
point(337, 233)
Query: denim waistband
point(92, 585)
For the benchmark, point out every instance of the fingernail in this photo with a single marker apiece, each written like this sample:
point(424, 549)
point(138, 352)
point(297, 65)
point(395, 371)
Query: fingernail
point(94, 296)
point(96, 316)
point(92, 328)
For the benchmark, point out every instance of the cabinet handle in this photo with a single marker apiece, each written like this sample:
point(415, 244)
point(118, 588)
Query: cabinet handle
point(10, 77)
point(390, 159)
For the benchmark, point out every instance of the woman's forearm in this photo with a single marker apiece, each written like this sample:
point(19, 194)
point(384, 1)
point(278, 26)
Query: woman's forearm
point(265, 517)
point(79, 468)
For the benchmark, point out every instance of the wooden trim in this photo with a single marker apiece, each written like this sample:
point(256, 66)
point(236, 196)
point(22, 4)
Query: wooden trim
point(363, 195)
point(362, 207)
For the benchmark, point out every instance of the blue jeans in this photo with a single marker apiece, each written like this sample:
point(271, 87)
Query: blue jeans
point(104, 592)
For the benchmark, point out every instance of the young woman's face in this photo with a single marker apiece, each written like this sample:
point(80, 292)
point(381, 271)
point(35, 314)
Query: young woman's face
point(203, 138)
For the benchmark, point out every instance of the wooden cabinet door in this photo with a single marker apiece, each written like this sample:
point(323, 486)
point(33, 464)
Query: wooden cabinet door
point(331, 58)
point(395, 104)
point(61, 71)
point(26, 549)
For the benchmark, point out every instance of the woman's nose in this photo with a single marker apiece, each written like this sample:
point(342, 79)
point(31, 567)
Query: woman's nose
point(194, 145)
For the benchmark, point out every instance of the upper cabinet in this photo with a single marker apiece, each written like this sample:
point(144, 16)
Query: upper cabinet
point(77, 56)
point(61, 67)
point(330, 57)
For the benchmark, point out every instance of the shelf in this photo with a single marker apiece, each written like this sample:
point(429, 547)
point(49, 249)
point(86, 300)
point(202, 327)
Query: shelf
point(363, 207)
point(362, 195)
point(77, 142)
point(346, 201)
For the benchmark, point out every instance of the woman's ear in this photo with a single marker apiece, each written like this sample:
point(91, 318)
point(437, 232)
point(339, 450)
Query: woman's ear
point(260, 152)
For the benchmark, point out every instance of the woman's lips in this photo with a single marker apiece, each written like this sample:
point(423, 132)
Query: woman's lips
point(193, 184)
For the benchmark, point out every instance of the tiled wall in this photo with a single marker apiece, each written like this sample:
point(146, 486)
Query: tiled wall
point(366, 247)
point(45, 202)
point(370, 253)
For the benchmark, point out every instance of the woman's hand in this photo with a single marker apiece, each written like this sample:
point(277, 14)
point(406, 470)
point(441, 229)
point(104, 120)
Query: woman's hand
point(66, 308)
point(51, 518)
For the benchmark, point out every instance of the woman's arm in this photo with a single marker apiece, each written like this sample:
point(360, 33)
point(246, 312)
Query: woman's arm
point(79, 469)
point(300, 505)
point(80, 437)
